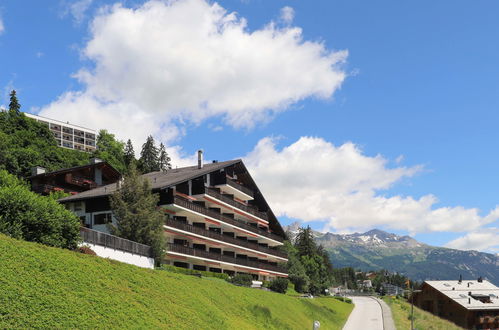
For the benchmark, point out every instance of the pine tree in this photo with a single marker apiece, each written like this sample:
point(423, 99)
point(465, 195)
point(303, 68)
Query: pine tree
point(14, 106)
point(129, 154)
point(137, 215)
point(149, 157)
point(305, 243)
point(164, 159)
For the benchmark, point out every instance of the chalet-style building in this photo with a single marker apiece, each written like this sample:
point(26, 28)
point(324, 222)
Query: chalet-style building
point(75, 179)
point(216, 219)
point(469, 304)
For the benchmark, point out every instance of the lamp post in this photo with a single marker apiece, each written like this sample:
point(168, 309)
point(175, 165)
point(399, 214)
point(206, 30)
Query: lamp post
point(412, 291)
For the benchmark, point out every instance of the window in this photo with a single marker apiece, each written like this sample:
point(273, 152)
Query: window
point(102, 219)
point(78, 206)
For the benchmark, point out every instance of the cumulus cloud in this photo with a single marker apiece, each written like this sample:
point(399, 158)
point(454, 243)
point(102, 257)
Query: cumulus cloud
point(287, 14)
point(314, 180)
point(486, 239)
point(166, 63)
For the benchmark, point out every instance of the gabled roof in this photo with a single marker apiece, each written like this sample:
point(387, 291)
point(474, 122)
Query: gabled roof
point(76, 168)
point(158, 180)
point(162, 180)
point(459, 291)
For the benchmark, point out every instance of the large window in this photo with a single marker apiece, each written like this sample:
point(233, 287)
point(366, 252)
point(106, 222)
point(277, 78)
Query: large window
point(102, 219)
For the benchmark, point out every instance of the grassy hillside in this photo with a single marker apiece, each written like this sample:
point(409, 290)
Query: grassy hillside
point(401, 311)
point(53, 288)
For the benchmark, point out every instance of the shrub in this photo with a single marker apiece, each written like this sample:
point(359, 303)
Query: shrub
point(186, 271)
point(86, 250)
point(280, 285)
point(26, 215)
point(242, 279)
point(347, 300)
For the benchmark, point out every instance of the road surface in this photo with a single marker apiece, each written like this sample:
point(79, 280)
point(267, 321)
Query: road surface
point(367, 314)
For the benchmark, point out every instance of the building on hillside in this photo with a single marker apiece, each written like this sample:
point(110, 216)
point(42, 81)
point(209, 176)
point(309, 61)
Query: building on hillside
point(216, 219)
point(68, 135)
point(391, 290)
point(75, 179)
point(469, 304)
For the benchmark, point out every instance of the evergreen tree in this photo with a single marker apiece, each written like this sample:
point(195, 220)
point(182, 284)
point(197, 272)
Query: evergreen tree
point(149, 157)
point(164, 159)
point(137, 215)
point(129, 154)
point(14, 106)
point(305, 243)
point(111, 150)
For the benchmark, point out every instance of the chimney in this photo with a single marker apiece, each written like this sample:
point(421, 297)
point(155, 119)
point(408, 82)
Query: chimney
point(95, 160)
point(200, 158)
point(37, 170)
point(460, 278)
point(480, 279)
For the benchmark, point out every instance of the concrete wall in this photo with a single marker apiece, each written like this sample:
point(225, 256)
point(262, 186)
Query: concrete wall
point(126, 257)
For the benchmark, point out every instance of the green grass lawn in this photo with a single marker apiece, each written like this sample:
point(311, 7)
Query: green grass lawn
point(401, 310)
point(46, 287)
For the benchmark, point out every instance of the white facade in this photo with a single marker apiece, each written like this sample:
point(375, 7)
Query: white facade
point(126, 257)
point(69, 136)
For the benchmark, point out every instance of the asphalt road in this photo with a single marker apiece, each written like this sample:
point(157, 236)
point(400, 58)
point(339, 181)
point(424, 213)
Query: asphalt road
point(367, 314)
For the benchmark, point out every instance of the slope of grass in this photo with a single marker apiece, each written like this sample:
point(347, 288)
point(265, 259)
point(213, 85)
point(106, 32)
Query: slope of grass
point(44, 287)
point(401, 311)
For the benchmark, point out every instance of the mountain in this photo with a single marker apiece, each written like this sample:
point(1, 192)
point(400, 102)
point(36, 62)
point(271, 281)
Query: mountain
point(377, 249)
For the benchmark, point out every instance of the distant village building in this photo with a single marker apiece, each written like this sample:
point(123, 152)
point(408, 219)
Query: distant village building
point(68, 135)
point(216, 219)
point(469, 304)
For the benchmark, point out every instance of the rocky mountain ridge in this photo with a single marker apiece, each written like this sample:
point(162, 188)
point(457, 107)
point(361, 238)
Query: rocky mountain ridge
point(377, 249)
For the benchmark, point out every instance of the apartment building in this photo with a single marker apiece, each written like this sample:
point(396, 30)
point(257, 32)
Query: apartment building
point(68, 135)
point(216, 219)
point(471, 304)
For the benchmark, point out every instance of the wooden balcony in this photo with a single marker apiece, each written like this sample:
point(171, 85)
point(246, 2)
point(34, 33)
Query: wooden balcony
point(183, 202)
point(248, 209)
point(224, 238)
point(222, 258)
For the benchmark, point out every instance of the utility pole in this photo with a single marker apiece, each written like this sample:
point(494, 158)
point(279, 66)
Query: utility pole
point(412, 291)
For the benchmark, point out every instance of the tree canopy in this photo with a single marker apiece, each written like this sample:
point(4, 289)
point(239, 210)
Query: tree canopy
point(111, 150)
point(137, 215)
point(29, 216)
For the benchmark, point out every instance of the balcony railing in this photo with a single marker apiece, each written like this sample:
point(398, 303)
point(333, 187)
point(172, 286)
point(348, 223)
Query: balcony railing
point(239, 187)
point(231, 202)
point(220, 257)
point(99, 238)
point(203, 210)
point(223, 238)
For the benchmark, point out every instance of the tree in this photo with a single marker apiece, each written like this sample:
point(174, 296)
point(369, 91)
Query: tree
point(29, 216)
point(149, 157)
point(129, 154)
point(14, 106)
point(111, 150)
point(164, 159)
point(296, 270)
point(137, 215)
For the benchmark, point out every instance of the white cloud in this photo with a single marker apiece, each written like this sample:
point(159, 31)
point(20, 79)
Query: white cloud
point(314, 180)
point(484, 239)
point(174, 62)
point(2, 27)
point(287, 14)
point(77, 9)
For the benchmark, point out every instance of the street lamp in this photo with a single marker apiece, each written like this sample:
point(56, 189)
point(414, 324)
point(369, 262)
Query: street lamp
point(412, 291)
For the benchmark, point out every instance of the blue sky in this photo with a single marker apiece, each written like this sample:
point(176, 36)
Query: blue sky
point(407, 113)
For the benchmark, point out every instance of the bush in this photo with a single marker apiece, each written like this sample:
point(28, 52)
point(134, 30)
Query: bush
point(26, 215)
point(86, 250)
point(347, 300)
point(242, 279)
point(280, 285)
point(186, 271)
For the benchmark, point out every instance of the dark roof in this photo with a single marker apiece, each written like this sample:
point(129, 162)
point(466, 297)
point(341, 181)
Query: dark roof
point(71, 169)
point(158, 180)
